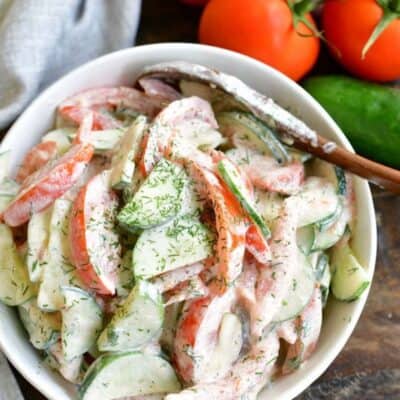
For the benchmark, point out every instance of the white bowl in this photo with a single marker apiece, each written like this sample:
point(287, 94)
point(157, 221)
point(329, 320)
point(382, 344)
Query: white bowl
point(121, 68)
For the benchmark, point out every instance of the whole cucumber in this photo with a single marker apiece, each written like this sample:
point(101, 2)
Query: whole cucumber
point(369, 114)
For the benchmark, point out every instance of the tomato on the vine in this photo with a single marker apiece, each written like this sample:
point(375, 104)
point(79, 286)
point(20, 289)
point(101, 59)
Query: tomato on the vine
point(364, 36)
point(279, 33)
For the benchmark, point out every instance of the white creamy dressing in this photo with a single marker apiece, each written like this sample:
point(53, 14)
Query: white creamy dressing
point(262, 106)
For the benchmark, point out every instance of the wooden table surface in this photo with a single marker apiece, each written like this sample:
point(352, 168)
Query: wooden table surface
point(369, 366)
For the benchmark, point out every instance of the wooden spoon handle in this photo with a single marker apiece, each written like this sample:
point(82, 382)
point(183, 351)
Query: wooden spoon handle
point(383, 176)
point(304, 137)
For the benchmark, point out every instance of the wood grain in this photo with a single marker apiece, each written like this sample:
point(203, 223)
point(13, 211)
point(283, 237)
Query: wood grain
point(369, 366)
point(379, 174)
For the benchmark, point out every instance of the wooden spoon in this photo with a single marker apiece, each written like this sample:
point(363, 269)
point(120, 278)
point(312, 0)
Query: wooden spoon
point(289, 126)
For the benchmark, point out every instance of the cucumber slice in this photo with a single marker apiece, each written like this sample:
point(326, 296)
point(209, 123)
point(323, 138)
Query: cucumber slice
point(183, 241)
point(15, 287)
point(329, 237)
point(125, 278)
point(230, 342)
point(253, 131)
point(61, 138)
point(82, 320)
point(232, 178)
point(300, 291)
point(38, 239)
point(126, 115)
point(4, 202)
point(325, 223)
point(325, 283)
point(298, 155)
point(349, 279)
point(50, 361)
point(167, 338)
point(305, 239)
point(59, 271)
point(8, 190)
point(269, 205)
point(8, 187)
point(103, 141)
point(136, 322)
point(332, 173)
point(315, 202)
point(71, 370)
point(123, 161)
point(43, 328)
point(158, 200)
point(192, 201)
point(4, 164)
point(319, 261)
point(194, 135)
point(322, 271)
point(128, 374)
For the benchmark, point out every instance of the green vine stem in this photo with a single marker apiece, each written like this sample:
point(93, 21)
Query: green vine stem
point(391, 12)
point(299, 9)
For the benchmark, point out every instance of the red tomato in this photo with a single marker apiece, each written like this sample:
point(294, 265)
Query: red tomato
point(35, 159)
point(262, 29)
point(348, 24)
point(257, 245)
point(94, 243)
point(48, 184)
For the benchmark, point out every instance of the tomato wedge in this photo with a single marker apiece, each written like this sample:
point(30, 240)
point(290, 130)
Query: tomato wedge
point(101, 101)
point(308, 328)
point(48, 184)
point(35, 159)
point(157, 88)
point(257, 245)
point(101, 121)
point(166, 124)
point(197, 333)
point(265, 173)
point(85, 128)
point(95, 248)
point(231, 224)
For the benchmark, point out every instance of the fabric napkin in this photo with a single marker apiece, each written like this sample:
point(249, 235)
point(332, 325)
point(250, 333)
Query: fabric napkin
point(9, 389)
point(40, 40)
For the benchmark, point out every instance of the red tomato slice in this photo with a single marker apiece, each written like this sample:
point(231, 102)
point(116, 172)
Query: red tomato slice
point(166, 125)
point(35, 159)
point(157, 88)
point(257, 245)
point(85, 128)
point(197, 333)
point(95, 247)
point(47, 184)
point(100, 121)
point(266, 174)
point(99, 100)
point(231, 226)
point(308, 329)
point(187, 290)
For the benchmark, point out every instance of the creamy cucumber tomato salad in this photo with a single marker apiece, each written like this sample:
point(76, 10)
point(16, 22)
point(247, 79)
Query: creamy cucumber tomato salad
point(162, 242)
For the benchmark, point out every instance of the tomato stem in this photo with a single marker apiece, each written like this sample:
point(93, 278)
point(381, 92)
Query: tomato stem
point(390, 13)
point(299, 9)
point(395, 5)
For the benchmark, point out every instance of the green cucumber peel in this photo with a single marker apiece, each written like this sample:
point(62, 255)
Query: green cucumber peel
point(231, 177)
